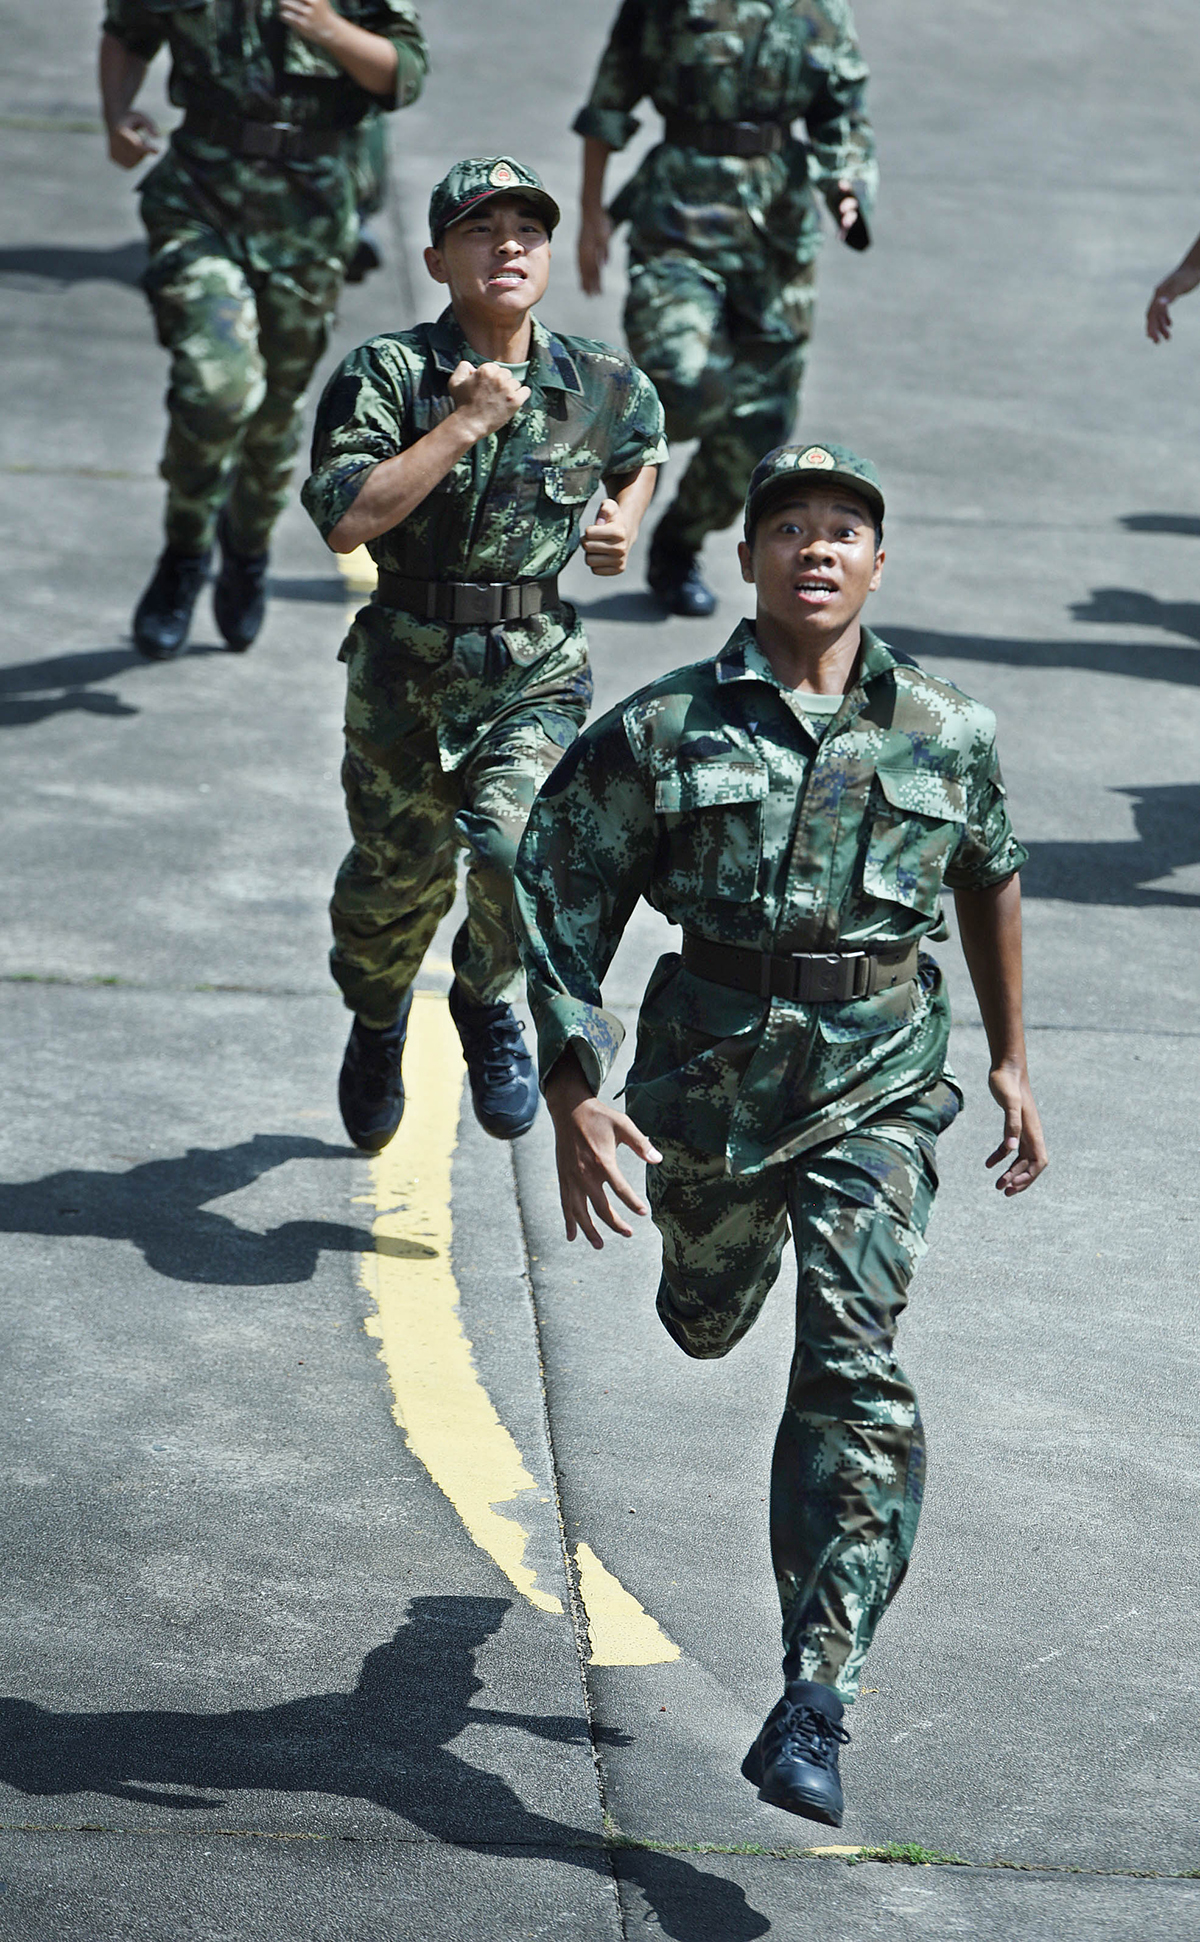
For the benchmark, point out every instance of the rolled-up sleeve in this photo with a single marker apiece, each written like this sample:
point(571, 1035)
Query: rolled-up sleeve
point(139, 31)
point(841, 140)
point(399, 23)
point(620, 83)
point(639, 434)
point(360, 421)
point(585, 859)
point(988, 851)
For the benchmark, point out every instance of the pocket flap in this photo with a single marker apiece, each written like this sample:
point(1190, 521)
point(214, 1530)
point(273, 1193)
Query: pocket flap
point(941, 797)
point(709, 785)
point(570, 485)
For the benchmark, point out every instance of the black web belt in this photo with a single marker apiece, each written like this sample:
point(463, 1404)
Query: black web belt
point(805, 977)
point(727, 137)
point(264, 141)
point(468, 603)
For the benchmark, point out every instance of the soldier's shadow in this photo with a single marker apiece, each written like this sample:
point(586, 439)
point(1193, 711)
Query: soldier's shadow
point(65, 264)
point(387, 1742)
point(159, 1206)
point(65, 684)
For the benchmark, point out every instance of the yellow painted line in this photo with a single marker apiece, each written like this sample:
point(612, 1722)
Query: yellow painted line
point(833, 1850)
point(621, 1633)
point(447, 1416)
point(358, 570)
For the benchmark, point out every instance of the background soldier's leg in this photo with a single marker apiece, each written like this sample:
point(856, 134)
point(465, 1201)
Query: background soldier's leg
point(849, 1461)
point(295, 309)
point(722, 1240)
point(397, 882)
point(769, 322)
point(205, 313)
point(499, 785)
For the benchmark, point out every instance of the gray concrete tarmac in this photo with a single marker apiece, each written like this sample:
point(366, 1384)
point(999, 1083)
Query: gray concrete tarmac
point(260, 1683)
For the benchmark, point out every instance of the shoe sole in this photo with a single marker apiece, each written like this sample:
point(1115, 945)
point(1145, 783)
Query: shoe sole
point(793, 1803)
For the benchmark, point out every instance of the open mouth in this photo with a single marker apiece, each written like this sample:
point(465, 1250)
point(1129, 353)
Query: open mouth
point(815, 590)
point(508, 279)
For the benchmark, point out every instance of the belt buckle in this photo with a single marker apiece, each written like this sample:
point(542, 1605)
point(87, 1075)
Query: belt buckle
point(826, 977)
point(266, 140)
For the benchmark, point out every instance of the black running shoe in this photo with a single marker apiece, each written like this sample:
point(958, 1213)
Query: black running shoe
point(370, 1088)
point(794, 1760)
point(673, 573)
point(163, 615)
point(504, 1089)
point(240, 595)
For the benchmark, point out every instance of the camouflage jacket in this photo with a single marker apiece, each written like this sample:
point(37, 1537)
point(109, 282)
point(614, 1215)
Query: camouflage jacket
point(510, 509)
point(237, 59)
point(710, 796)
point(736, 60)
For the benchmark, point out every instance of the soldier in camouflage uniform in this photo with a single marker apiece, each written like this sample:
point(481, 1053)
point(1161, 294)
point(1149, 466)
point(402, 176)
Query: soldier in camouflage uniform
point(724, 229)
point(464, 454)
point(797, 805)
point(251, 216)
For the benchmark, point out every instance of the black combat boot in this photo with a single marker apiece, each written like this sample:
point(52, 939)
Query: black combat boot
point(240, 595)
point(504, 1089)
point(673, 572)
point(163, 615)
point(370, 1089)
point(794, 1760)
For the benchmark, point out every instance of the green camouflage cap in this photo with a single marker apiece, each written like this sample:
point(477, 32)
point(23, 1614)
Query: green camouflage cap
point(481, 179)
point(790, 465)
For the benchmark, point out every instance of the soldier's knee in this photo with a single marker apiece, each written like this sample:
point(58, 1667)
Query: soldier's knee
point(703, 1330)
point(212, 399)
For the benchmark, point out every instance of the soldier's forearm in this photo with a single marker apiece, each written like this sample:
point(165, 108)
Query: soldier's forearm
point(121, 76)
point(595, 165)
point(370, 59)
point(395, 487)
point(633, 495)
point(989, 926)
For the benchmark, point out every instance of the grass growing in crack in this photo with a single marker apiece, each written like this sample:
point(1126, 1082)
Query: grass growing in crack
point(910, 1854)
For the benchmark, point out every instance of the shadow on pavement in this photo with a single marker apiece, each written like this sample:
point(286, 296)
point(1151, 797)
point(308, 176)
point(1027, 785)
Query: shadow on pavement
point(1143, 660)
point(1127, 607)
point(641, 607)
point(386, 1742)
point(159, 1207)
point(1187, 523)
point(1167, 820)
point(32, 691)
point(123, 263)
point(329, 591)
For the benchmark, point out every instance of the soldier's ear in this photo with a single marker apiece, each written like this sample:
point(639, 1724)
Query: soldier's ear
point(877, 576)
point(435, 265)
point(746, 562)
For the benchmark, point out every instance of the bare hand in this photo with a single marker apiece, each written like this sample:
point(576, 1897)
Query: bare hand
point(312, 19)
point(486, 395)
point(132, 139)
point(587, 1134)
point(595, 234)
point(847, 211)
point(606, 544)
point(1158, 316)
point(1023, 1145)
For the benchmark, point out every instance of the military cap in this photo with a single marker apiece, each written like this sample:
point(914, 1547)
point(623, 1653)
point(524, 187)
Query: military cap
point(481, 179)
point(791, 465)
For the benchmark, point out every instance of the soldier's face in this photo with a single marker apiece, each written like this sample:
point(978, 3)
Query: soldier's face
point(813, 561)
point(497, 260)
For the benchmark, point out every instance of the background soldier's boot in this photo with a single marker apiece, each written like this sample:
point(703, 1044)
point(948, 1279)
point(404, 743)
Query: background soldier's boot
point(240, 595)
point(673, 572)
point(794, 1760)
point(370, 1088)
point(504, 1090)
point(163, 615)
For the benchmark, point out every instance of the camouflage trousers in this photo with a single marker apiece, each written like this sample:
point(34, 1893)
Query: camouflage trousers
point(243, 346)
point(849, 1464)
point(411, 815)
point(724, 344)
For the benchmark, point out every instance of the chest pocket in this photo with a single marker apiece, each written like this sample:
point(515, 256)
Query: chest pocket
point(570, 485)
point(916, 821)
point(713, 814)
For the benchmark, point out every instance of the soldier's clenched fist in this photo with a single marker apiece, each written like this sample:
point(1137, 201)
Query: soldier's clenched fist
point(485, 396)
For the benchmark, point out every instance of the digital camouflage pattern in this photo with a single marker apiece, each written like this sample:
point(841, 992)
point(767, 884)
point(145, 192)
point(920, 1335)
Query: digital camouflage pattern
point(247, 257)
point(450, 731)
point(848, 1470)
point(721, 249)
point(712, 795)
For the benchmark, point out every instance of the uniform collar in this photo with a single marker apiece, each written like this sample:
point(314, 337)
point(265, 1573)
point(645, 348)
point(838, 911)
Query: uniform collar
point(550, 362)
point(741, 658)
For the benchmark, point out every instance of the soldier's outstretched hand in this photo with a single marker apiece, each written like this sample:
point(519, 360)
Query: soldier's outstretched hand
point(606, 544)
point(1023, 1145)
point(595, 235)
point(486, 395)
point(132, 139)
point(587, 1133)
